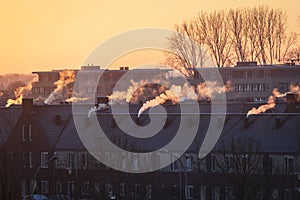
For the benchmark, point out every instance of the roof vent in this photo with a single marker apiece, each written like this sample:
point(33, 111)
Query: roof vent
point(291, 101)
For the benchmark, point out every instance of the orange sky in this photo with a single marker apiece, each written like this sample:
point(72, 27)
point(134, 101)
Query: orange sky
point(44, 35)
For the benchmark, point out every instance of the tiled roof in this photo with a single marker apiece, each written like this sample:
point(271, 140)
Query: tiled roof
point(284, 139)
point(8, 120)
point(52, 120)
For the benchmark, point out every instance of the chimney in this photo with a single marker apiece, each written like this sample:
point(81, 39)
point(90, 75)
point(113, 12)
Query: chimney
point(276, 123)
point(102, 100)
point(27, 105)
point(291, 103)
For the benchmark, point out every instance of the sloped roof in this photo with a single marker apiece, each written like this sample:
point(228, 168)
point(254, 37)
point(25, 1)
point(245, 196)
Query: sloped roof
point(52, 120)
point(285, 139)
point(69, 138)
point(262, 128)
point(8, 120)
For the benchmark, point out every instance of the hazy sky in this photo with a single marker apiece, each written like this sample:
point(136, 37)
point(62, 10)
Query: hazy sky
point(44, 35)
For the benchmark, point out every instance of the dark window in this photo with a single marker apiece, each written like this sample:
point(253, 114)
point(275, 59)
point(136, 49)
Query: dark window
point(289, 165)
point(213, 163)
point(71, 160)
point(84, 160)
point(174, 165)
point(26, 132)
point(44, 159)
point(283, 87)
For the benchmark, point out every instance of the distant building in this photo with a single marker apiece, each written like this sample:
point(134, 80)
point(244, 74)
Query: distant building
point(248, 82)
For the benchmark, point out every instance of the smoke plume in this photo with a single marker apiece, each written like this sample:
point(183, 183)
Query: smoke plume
point(186, 92)
point(76, 99)
point(95, 108)
point(129, 95)
point(62, 90)
point(19, 93)
point(263, 108)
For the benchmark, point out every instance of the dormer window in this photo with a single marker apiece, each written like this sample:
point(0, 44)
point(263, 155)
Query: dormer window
point(26, 132)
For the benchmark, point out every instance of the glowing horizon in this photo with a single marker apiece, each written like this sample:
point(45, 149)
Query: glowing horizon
point(39, 36)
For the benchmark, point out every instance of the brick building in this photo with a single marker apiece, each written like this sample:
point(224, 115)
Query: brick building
point(47, 156)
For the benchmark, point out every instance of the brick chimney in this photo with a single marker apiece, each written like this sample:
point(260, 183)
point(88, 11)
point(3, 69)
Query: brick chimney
point(27, 105)
point(102, 100)
point(291, 102)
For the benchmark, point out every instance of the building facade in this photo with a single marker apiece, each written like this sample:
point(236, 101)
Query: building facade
point(245, 82)
point(47, 156)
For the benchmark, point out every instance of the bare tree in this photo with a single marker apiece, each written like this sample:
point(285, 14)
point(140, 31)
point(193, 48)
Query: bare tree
point(239, 27)
point(293, 55)
point(243, 34)
point(214, 28)
point(12, 86)
point(187, 47)
point(241, 161)
point(289, 42)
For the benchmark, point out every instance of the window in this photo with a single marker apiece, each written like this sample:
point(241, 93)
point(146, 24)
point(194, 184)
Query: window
point(239, 87)
point(270, 165)
point(44, 187)
point(287, 194)
point(58, 187)
point(215, 193)
point(108, 189)
point(84, 160)
point(213, 163)
point(85, 188)
point(122, 189)
point(203, 167)
point(30, 160)
point(148, 191)
point(136, 190)
point(203, 193)
point(123, 161)
point(26, 133)
point(44, 160)
point(274, 194)
point(135, 163)
point(254, 87)
point(71, 188)
point(230, 163)
point(189, 163)
point(189, 191)
point(71, 161)
point(228, 193)
point(248, 87)
point(174, 164)
point(289, 164)
point(283, 87)
point(42, 90)
point(25, 159)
